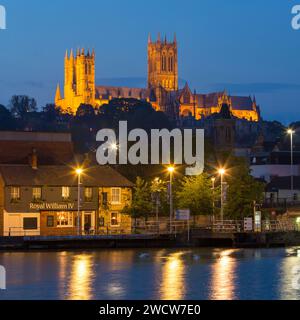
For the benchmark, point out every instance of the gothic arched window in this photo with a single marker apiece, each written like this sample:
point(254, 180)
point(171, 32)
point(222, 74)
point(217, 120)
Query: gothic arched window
point(164, 62)
point(170, 61)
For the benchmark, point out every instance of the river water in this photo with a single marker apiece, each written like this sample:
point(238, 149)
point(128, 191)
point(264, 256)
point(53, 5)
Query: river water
point(153, 274)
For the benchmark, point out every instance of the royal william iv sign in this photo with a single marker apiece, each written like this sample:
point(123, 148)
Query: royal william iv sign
point(52, 206)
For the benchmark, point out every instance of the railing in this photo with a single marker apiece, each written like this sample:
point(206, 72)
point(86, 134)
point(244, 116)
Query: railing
point(160, 227)
point(20, 232)
point(232, 226)
point(227, 226)
point(279, 226)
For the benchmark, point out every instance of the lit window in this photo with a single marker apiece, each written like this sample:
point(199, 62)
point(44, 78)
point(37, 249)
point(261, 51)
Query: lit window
point(88, 194)
point(116, 195)
point(15, 193)
point(37, 193)
point(114, 219)
point(64, 219)
point(65, 192)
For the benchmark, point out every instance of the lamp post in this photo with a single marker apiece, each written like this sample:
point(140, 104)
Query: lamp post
point(291, 132)
point(156, 191)
point(79, 173)
point(213, 180)
point(221, 173)
point(171, 170)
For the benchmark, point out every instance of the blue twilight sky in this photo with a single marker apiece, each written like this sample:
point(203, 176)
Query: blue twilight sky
point(247, 47)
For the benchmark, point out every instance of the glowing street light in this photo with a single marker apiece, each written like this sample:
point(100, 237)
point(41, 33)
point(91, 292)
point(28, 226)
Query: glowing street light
point(221, 172)
point(291, 132)
point(79, 172)
point(171, 171)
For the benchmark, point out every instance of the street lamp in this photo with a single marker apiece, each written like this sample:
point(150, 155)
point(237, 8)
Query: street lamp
point(171, 170)
point(156, 190)
point(79, 172)
point(213, 180)
point(291, 132)
point(221, 173)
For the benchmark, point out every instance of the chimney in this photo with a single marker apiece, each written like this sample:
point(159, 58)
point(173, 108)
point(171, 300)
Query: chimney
point(33, 160)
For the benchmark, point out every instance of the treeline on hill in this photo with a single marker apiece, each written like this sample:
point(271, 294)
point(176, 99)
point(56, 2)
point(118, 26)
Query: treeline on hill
point(22, 114)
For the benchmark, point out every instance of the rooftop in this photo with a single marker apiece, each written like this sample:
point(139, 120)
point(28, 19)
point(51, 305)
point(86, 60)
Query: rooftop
point(97, 176)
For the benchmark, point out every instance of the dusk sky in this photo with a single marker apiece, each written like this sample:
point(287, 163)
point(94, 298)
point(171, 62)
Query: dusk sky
point(245, 47)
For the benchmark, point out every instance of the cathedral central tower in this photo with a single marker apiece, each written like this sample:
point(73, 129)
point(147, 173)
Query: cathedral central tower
point(162, 64)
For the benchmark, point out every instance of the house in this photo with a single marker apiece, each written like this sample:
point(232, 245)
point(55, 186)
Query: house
point(43, 200)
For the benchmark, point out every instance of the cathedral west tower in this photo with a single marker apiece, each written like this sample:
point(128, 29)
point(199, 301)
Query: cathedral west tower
point(79, 86)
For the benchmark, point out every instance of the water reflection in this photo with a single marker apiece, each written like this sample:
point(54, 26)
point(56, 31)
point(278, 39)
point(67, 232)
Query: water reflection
point(81, 279)
point(173, 278)
point(289, 276)
point(223, 277)
point(155, 274)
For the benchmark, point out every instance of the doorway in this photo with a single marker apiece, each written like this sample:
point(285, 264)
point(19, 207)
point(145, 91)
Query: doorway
point(88, 222)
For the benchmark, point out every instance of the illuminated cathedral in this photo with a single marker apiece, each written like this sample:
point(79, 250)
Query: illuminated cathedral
point(162, 90)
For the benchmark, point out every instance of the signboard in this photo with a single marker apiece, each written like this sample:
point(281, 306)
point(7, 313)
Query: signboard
point(183, 214)
point(52, 206)
point(257, 221)
point(248, 224)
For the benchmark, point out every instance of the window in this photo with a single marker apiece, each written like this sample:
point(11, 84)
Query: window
point(101, 222)
point(114, 219)
point(37, 193)
point(15, 193)
point(88, 194)
point(104, 199)
point(30, 224)
point(64, 219)
point(65, 192)
point(116, 195)
point(50, 221)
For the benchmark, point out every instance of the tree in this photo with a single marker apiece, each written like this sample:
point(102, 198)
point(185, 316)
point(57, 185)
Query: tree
point(85, 111)
point(51, 112)
point(195, 193)
point(242, 191)
point(138, 113)
point(20, 105)
point(6, 120)
point(141, 202)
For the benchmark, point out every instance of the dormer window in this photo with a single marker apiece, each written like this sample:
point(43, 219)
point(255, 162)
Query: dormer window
point(37, 193)
point(65, 193)
point(15, 193)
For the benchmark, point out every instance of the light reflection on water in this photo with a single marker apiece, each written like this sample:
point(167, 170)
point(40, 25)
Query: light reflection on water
point(173, 278)
point(152, 274)
point(82, 276)
point(223, 277)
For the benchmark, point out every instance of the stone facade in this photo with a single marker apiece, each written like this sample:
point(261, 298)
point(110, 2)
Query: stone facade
point(107, 208)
